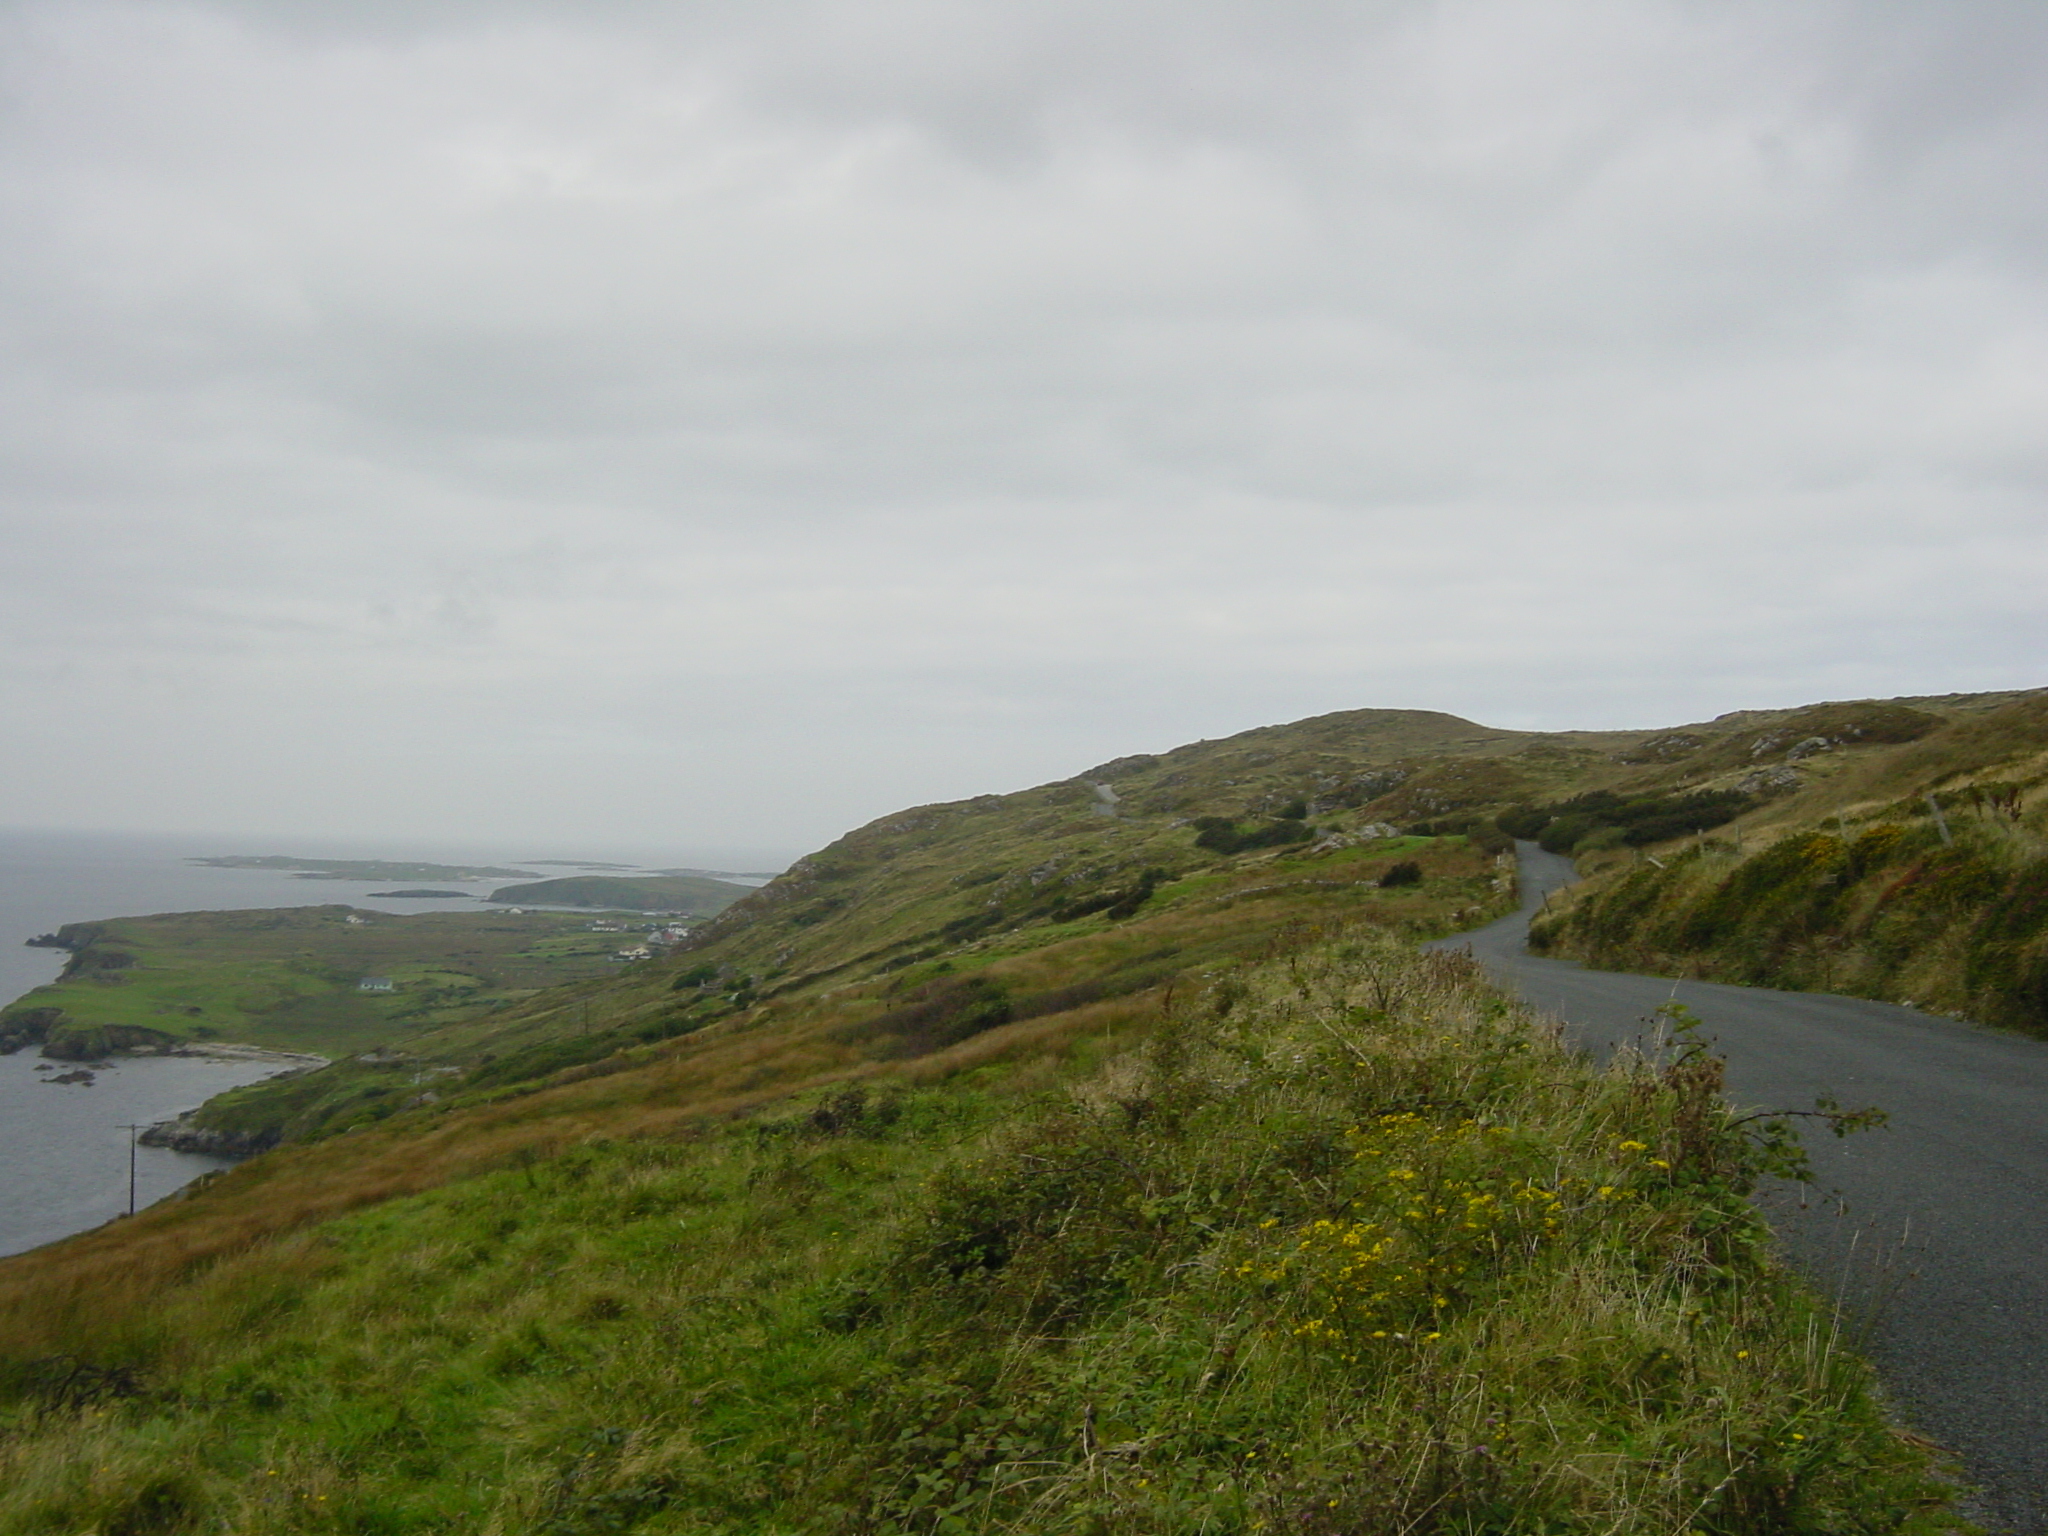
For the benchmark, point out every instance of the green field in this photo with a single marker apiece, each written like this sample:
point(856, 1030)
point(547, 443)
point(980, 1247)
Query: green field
point(291, 979)
point(693, 894)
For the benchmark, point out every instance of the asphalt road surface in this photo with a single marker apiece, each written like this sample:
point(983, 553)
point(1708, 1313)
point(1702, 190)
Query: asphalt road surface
point(1938, 1241)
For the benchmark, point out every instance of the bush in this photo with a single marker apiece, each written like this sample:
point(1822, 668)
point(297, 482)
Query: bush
point(1489, 839)
point(1407, 872)
point(1561, 834)
point(1888, 913)
point(1221, 834)
point(1250, 1281)
point(1119, 903)
point(1640, 819)
point(944, 1013)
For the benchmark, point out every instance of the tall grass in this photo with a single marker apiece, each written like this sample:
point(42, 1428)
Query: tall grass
point(1350, 1244)
point(1893, 908)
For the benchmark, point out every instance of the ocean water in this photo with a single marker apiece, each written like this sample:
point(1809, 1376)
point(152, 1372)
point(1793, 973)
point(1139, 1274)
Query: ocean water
point(64, 1147)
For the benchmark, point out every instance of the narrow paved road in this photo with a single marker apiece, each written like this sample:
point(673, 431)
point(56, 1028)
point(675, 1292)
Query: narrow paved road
point(1943, 1245)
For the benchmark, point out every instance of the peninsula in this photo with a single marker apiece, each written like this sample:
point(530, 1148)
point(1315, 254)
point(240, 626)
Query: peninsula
point(363, 869)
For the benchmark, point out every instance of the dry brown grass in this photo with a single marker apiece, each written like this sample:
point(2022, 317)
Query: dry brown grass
point(93, 1282)
point(786, 1046)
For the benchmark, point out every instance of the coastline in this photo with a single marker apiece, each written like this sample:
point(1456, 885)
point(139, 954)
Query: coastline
point(66, 1143)
point(226, 1050)
point(180, 1134)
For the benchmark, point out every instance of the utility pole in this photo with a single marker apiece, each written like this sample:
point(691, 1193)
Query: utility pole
point(131, 1130)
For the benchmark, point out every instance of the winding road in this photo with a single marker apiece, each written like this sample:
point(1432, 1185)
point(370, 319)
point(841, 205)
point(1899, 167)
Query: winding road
point(1939, 1240)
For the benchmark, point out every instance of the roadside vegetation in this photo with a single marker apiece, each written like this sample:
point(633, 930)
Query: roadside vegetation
point(1914, 874)
point(1947, 913)
point(1100, 1157)
point(1337, 1241)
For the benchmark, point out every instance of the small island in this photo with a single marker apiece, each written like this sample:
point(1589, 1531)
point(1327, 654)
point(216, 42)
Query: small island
point(362, 869)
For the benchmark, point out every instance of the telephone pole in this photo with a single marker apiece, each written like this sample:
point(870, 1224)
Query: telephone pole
point(131, 1130)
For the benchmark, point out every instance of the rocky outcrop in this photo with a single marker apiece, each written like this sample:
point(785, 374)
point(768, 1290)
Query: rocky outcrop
point(182, 1135)
point(27, 1026)
point(71, 1041)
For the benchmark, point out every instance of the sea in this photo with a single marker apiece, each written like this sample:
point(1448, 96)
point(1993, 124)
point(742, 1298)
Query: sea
point(65, 1148)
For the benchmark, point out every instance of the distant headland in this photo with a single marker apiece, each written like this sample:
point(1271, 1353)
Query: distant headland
point(364, 869)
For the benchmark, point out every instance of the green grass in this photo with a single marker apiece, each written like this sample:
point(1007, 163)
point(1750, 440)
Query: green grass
point(506, 1044)
point(1352, 1244)
point(641, 1260)
point(637, 893)
point(1884, 909)
point(289, 979)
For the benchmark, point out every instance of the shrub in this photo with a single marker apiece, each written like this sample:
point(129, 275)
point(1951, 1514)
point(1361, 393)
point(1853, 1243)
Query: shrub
point(1640, 819)
point(1221, 834)
point(1964, 925)
point(944, 1013)
point(1407, 872)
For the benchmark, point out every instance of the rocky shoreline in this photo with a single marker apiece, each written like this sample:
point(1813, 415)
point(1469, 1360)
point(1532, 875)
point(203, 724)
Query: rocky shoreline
point(65, 1039)
point(181, 1135)
point(96, 1046)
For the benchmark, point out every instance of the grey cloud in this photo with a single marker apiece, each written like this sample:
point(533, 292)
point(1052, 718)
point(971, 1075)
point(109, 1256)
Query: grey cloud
point(776, 414)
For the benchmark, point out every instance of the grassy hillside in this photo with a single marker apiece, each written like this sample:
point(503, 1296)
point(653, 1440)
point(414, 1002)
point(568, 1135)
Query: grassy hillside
point(1916, 874)
point(1346, 1243)
point(691, 894)
point(1068, 965)
point(1098, 1157)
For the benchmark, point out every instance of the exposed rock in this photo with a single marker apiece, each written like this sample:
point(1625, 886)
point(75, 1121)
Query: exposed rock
point(1666, 748)
point(1769, 781)
point(28, 1026)
point(181, 1135)
point(90, 1042)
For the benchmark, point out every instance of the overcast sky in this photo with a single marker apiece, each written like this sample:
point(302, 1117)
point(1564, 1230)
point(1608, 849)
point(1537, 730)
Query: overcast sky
point(710, 425)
